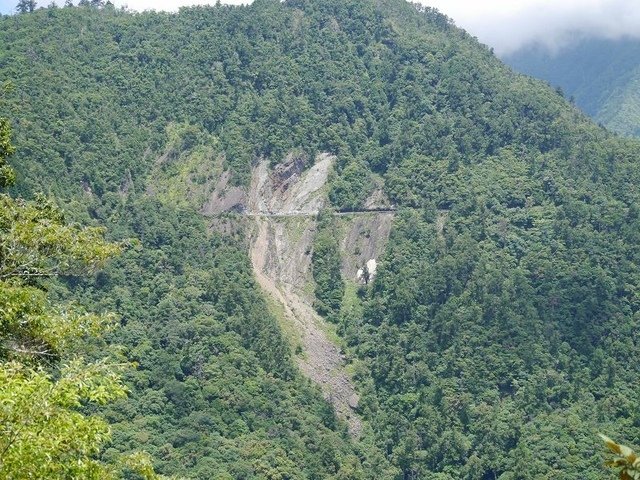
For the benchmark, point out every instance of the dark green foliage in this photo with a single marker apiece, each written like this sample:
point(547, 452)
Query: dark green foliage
point(264, 79)
point(500, 332)
point(326, 263)
point(7, 173)
point(26, 6)
point(350, 189)
point(215, 393)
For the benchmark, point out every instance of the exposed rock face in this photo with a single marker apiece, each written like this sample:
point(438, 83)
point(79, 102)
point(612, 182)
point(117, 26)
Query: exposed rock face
point(367, 273)
point(365, 237)
point(292, 166)
point(225, 198)
point(289, 190)
point(284, 203)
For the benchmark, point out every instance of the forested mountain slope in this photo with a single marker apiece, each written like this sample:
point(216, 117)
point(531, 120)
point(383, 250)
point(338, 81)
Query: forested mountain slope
point(215, 393)
point(603, 76)
point(499, 335)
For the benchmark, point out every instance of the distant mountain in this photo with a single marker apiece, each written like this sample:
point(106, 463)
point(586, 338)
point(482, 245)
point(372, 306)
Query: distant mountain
point(603, 76)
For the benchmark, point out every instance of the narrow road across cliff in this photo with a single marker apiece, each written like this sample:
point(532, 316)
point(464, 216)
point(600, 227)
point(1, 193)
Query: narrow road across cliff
point(346, 213)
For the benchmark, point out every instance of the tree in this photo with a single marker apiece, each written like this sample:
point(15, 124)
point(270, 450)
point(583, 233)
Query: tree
point(326, 262)
point(7, 174)
point(44, 377)
point(26, 6)
point(625, 460)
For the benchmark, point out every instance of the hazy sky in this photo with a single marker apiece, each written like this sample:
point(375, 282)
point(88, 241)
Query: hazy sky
point(506, 25)
point(503, 24)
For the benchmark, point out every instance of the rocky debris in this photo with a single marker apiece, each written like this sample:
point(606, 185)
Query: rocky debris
point(282, 202)
point(225, 198)
point(377, 200)
point(289, 189)
point(280, 254)
point(365, 238)
point(367, 273)
point(275, 256)
point(86, 188)
point(441, 221)
point(289, 170)
point(126, 184)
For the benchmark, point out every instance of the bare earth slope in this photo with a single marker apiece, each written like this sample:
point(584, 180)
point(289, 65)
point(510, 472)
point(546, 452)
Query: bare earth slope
point(283, 203)
point(322, 361)
point(281, 259)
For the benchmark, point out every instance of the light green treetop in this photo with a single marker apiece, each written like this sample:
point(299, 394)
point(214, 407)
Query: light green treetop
point(44, 378)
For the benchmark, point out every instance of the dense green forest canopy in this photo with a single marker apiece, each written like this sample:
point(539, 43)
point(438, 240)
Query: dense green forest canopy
point(45, 376)
point(500, 332)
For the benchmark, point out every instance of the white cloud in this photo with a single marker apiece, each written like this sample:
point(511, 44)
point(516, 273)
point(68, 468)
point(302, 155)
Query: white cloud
point(508, 25)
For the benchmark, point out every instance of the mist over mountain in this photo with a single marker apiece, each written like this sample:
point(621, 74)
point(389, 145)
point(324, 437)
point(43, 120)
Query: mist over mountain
point(510, 26)
point(601, 75)
point(359, 245)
